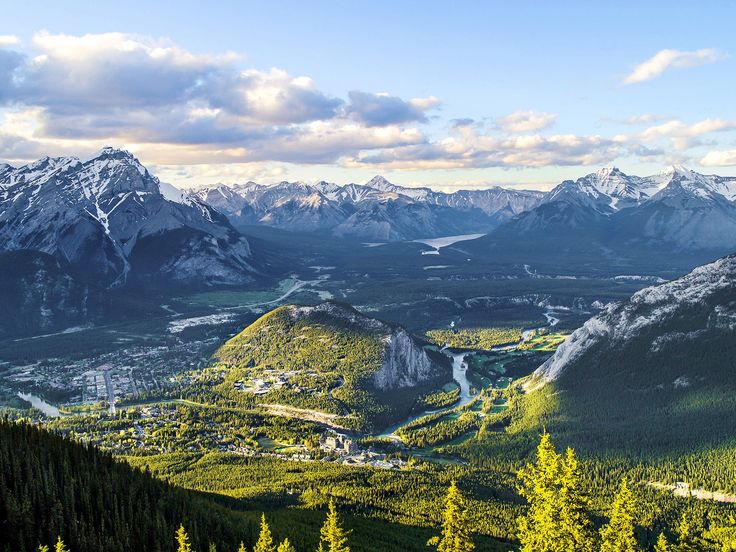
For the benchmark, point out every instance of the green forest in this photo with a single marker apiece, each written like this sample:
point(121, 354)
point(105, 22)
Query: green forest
point(62, 495)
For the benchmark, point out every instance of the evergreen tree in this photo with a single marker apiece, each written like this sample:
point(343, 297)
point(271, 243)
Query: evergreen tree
point(60, 546)
point(539, 529)
point(663, 545)
point(577, 529)
point(455, 528)
point(333, 538)
point(212, 548)
point(265, 540)
point(43, 548)
point(557, 517)
point(687, 540)
point(241, 548)
point(286, 546)
point(723, 536)
point(182, 540)
point(618, 535)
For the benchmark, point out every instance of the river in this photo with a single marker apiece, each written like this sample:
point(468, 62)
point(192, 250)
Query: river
point(460, 375)
point(39, 404)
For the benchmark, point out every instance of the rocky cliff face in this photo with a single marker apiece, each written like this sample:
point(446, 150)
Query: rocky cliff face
point(699, 306)
point(37, 295)
point(407, 364)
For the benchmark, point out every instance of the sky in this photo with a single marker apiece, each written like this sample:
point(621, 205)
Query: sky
point(446, 94)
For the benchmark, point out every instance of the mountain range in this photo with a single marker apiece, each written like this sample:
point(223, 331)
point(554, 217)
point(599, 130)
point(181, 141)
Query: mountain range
point(377, 210)
point(607, 213)
point(610, 218)
point(70, 228)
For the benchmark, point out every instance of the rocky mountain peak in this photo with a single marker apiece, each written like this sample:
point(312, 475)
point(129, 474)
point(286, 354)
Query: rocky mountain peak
point(380, 183)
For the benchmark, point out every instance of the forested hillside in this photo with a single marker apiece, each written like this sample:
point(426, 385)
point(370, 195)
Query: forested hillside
point(329, 359)
point(51, 487)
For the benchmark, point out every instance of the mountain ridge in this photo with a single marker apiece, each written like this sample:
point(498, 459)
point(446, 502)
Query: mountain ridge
point(92, 214)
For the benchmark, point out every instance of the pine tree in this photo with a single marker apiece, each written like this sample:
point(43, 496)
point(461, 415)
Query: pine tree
point(724, 536)
point(576, 528)
point(43, 548)
point(212, 548)
point(539, 529)
point(265, 540)
point(663, 545)
point(618, 535)
point(60, 546)
point(286, 546)
point(241, 548)
point(455, 528)
point(557, 517)
point(182, 540)
point(687, 540)
point(332, 535)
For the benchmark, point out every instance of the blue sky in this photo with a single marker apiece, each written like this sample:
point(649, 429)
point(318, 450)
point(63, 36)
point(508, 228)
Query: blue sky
point(449, 94)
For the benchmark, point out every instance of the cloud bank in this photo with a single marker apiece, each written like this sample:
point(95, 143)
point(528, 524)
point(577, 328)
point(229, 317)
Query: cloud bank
point(63, 94)
point(665, 60)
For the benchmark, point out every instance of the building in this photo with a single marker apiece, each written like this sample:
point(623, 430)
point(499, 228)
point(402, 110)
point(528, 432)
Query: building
point(337, 443)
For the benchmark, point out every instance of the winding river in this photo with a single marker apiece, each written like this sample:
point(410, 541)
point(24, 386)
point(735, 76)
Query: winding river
point(460, 375)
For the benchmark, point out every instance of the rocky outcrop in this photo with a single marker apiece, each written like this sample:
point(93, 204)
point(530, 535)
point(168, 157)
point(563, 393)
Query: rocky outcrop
point(37, 295)
point(699, 304)
point(407, 364)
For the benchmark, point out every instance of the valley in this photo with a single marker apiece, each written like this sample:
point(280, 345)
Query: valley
point(378, 369)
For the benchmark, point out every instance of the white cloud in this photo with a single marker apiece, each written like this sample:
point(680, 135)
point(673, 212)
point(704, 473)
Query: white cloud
point(526, 121)
point(682, 135)
point(467, 148)
point(137, 90)
point(725, 158)
point(68, 95)
point(8, 40)
point(644, 118)
point(665, 60)
point(384, 109)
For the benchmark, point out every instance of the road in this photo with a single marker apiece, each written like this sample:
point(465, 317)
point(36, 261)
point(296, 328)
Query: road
point(110, 393)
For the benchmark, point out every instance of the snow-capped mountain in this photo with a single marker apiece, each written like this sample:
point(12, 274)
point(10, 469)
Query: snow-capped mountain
point(109, 221)
point(377, 210)
point(607, 190)
point(655, 319)
point(607, 218)
point(691, 211)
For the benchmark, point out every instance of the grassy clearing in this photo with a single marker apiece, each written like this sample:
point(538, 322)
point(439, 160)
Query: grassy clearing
point(547, 342)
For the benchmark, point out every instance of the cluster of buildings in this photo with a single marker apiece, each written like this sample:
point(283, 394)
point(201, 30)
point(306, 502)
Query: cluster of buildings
point(271, 379)
point(350, 454)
